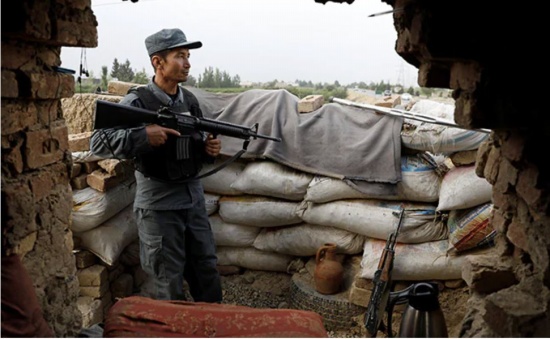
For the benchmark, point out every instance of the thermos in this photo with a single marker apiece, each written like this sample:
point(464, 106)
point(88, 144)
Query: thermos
point(423, 317)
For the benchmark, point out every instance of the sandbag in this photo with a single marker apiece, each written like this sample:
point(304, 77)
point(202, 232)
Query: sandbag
point(304, 240)
point(378, 218)
point(220, 182)
point(426, 261)
point(108, 240)
point(91, 208)
point(253, 259)
point(271, 179)
point(420, 182)
point(212, 202)
point(228, 234)
point(434, 138)
point(258, 211)
point(469, 227)
point(139, 317)
point(461, 188)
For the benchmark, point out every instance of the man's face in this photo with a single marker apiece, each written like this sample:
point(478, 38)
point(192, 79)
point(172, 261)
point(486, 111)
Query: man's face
point(177, 65)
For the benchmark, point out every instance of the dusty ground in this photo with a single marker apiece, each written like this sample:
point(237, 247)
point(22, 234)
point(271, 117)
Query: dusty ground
point(264, 289)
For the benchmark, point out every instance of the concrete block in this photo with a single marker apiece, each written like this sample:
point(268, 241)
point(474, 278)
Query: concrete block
point(310, 103)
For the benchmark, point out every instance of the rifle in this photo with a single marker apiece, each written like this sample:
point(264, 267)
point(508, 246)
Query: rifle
point(110, 115)
point(382, 284)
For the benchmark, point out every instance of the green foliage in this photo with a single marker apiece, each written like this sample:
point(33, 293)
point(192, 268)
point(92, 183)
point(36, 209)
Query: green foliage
point(141, 77)
point(214, 78)
point(123, 72)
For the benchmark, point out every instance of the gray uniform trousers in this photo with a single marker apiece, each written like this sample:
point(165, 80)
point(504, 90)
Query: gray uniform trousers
point(178, 244)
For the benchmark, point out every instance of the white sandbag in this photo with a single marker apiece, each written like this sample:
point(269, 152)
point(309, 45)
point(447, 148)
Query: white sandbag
point(273, 180)
point(420, 182)
point(85, 156)
point(461, 188)
point(378, 218)
point(426, 261)
point(212, 202)
point(108, 240)
point(424, 136)
point(91, 208)
point(227, 234)
point(304, 240)
point(258, 211)
point(220, 182)
point(253, 259)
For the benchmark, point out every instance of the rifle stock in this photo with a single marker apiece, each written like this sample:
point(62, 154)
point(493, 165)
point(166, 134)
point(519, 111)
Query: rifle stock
point(382, 284)
point(110, 115)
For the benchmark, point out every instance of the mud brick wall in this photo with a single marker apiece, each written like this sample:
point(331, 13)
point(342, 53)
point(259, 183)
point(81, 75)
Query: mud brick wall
point(486, 61)
point(36, 163)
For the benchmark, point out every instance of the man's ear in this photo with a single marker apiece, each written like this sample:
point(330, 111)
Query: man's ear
point(156, 61)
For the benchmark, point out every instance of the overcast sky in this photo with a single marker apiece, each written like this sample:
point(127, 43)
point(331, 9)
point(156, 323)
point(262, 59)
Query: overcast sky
point(259, 40)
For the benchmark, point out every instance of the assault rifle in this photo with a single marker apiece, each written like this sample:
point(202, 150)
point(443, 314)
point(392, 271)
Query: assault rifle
point(382, 284)
point(110, 115)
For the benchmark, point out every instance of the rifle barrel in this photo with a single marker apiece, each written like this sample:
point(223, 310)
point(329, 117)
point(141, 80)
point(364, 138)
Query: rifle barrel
point(406, 114)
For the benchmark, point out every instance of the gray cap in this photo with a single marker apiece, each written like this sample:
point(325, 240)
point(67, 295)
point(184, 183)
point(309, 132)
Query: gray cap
point(168, 39)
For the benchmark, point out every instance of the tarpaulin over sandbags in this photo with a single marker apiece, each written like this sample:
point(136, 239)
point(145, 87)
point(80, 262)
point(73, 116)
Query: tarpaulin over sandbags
point(434, 138)
point(378, 218)
point(304, 240)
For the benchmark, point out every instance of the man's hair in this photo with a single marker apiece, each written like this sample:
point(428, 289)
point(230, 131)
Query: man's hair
point(162, 54)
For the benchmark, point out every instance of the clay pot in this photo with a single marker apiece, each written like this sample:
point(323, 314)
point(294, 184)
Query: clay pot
point(329, 272)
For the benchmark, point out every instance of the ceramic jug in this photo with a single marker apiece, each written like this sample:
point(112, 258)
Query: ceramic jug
point(329, 272)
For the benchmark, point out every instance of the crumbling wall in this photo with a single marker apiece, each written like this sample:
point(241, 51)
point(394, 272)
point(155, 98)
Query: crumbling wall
point(36, 164)
point(454, 46)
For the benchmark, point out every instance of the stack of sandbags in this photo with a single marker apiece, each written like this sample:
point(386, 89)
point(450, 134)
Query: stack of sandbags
point(102, 220)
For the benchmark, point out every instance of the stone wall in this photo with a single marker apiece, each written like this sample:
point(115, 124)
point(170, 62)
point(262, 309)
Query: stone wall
point(36, 164)
point(489, 62)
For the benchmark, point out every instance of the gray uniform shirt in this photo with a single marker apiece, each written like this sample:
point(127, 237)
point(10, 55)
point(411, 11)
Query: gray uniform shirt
point(126, 143)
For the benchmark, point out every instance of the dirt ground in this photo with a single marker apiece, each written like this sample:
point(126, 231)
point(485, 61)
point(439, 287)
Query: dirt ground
point(271, 289)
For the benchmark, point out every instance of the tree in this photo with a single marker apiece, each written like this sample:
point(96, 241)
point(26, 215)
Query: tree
point(122, 72)
point(104, 77)
point(141, 77)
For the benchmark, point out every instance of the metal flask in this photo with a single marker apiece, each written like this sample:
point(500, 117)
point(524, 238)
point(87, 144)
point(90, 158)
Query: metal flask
point(423, 317)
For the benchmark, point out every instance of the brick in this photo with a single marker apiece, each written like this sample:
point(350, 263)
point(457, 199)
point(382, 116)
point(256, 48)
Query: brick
point(85, 259)
point(112, 166)
point(12, 157)
point(119, 87)
point(46, 146)
point(94, 291)
point(17, 115)
point(76, 168)
point(41, 185)
point(89, 167)
point(91, 310)
point(310, 103)
point(80, 141)
point(359, 296)
point(103, 181)
point(95, 275)
point(49, 111)
point(79, 182)
point(486, 274)
point(465, 76)
point(517, 236)
point(10, 85)
point(51, 85)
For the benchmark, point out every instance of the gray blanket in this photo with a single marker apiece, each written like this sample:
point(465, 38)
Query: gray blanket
point(336, 141)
